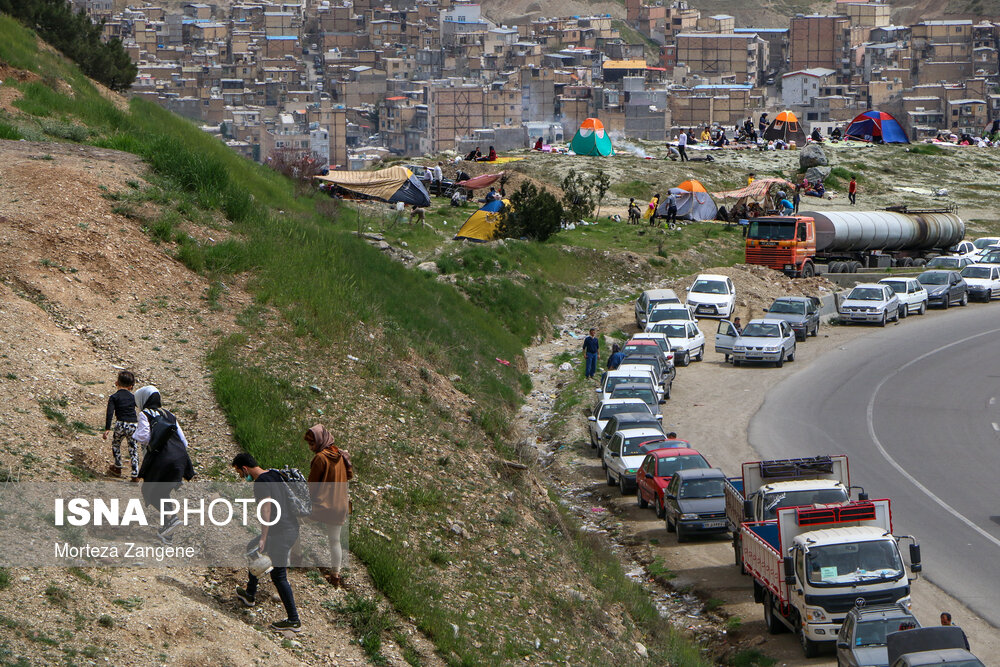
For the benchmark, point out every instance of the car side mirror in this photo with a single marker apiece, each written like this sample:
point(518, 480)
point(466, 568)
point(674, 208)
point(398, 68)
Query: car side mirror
point(659, 417)
point(789, 570)
point(592, 418)
point(598, 390)
point(915, 557)
point(747, 508)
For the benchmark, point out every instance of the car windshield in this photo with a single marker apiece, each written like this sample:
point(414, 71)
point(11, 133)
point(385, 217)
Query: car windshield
point(992, 257)
point(946, 262)
point(666, 466)
point(984, 243)
point(672, 330)
point(866, 294)
point(638, 349)
point(976, 272)
point(613, 382)
point(897, 286)
point(762, 330)
point(776, 500)
point(646, 395)
point(788, 307)
point(612, 409)
point(766, 230)
point(669, 314)
point(710, 287)
point(873, 632)
point(834, 564)
point(933, 278)
point(702, 488)
point(630, 446)
point(657, 302)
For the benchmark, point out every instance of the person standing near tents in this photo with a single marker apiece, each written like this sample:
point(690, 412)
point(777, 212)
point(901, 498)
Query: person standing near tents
point(671, 217)
point(654, 204)
point(591, 346)
point(762, 123)
point(682, 142)
point(438, 177)
point(852, 191)
point(633, 212)
point(796, 199)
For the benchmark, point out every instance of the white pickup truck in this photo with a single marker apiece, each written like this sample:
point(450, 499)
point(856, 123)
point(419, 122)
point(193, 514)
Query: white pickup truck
point(767, 486)
point(812, 565)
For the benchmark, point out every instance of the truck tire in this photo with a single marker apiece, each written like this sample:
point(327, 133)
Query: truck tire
point(773, 625)
point(639, 500)
point(920, 261)
point(855, 266)
point(738, 554)
point(808, 270)
point(836, 267)
point(809, 647)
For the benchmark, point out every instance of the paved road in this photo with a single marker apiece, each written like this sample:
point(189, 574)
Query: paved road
point(917, 408)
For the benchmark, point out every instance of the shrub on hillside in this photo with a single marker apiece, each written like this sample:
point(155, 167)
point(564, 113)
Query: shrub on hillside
point(77, 37)
point(578, 195)
point(533, 214)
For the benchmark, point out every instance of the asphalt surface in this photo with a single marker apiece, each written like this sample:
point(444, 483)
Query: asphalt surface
point(917, 409)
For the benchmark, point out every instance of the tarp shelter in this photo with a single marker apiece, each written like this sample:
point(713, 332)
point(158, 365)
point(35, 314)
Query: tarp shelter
point(693, 202)
point(591, 139)
point(482, 225)
point(395, 184)
point(878, 127)
point(757, 190)
point(481, 181)
point(785, 127)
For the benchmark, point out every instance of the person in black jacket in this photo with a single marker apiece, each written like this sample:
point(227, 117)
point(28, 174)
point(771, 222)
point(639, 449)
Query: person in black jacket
point(166, 462)
point(121, 406)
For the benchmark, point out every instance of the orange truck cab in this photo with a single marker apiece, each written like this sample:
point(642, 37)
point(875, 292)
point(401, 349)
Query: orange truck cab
point(783, 243)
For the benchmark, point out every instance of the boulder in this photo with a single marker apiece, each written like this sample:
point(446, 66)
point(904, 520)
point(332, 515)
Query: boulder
point(430, 267)
point(812, 155)
point(817, 174)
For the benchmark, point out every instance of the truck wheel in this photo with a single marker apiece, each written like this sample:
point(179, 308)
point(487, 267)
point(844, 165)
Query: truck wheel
point(854, 267)
point(611, 480)
point(836, 267)
point(738, 553)
point(781, 360)
point(920, 261)
point(639, 500)
point(808, 270)
point(809, 647)
point(773, 625)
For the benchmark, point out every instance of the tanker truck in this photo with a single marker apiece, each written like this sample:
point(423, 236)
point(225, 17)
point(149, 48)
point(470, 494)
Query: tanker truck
point(845, 241)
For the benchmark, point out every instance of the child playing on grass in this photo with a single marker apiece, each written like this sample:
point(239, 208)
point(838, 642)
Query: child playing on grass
point(121, 406)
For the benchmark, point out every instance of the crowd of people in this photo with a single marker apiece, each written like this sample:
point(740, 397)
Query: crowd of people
point(149, 429)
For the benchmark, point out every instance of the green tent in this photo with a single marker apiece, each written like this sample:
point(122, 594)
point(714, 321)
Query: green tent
point(591, 139)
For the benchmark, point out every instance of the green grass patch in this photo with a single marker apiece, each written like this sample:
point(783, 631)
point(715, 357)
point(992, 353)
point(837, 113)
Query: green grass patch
point(369, 621)
point(751, 657)
point(926, 149)
point(640, 190)
point(10, 132)
point(5, 579)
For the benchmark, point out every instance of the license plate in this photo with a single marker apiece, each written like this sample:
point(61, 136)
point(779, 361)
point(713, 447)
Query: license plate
point(768, 244)
point(859, 317)
point(704, 309)
point(755, 356)
point(713, 524)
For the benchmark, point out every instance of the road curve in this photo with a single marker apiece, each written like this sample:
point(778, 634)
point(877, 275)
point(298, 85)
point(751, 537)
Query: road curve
point(917, 409)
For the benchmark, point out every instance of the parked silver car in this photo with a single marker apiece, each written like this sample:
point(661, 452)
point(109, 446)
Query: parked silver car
point(871, 302)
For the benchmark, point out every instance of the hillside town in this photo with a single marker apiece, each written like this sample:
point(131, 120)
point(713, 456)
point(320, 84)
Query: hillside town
point(350, 82)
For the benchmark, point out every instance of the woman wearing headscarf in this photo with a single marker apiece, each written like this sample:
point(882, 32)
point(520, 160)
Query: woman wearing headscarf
point(165, 462)
point(328, 476)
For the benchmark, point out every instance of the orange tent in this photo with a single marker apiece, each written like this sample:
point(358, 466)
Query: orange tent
point(785, 127)
point(692, 200)
point(692, 186)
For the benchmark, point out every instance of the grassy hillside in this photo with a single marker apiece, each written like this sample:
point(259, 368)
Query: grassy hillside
point(424, 408)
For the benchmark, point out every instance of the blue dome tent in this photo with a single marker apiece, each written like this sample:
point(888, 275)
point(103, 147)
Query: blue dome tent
point(878, 127)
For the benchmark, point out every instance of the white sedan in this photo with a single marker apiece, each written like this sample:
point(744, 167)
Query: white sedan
point(761, 340)
point(605, 410)
point(672, 312)
point(712, 295)
point(686, 339)
point(870, 302)
point(983, 281)
point(622, 457)
point(911, 294)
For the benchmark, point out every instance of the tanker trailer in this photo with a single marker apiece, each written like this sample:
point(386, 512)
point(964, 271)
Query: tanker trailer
point(845, 241)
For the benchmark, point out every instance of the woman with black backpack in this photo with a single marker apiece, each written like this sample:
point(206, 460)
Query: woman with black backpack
point(165, 462)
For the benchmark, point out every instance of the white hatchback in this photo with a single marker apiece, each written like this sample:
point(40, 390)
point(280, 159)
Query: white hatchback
point(712, 295)
point(911, 294)
point(686, 339)
point(668, 312)
point(983, 281)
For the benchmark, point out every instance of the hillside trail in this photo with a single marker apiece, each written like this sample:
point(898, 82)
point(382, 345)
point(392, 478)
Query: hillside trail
point(84, 292)
point(711, 407)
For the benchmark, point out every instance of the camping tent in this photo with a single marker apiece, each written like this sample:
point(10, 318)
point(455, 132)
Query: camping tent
point(785, 127)
point(876, 126)
point(591, 139)
point(395, 184)
point(482, 225)
point(693, 202)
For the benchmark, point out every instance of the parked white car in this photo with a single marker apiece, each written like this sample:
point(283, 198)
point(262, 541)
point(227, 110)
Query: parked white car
point(986, 243)
point(638, 374)
point(966, 249)
point(871, 302)
point(686, 340)
point(668, 312)
point(911, 294)
point(622, 456)
point(983, 281)
point(605, 410)
point(650, 299)
point(762, 340)
point(711, 295)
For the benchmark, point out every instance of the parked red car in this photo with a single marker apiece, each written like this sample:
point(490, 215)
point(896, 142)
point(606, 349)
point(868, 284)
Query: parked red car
point(656, 470)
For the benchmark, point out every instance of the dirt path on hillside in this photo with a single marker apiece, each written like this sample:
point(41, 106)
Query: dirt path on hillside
point(711, 406)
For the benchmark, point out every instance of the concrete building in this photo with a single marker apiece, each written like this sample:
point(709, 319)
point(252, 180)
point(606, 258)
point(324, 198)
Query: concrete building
point(800, 87)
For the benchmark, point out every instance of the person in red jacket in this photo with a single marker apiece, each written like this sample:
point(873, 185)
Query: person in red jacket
point(329, 473)
point(852, 191)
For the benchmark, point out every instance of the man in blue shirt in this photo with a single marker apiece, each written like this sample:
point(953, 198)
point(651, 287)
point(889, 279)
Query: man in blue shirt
point(590, 349)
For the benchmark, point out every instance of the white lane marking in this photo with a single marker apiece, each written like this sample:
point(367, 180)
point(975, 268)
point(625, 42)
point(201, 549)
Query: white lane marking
point(996, 426)
point(993, 400)
point(878, 443)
